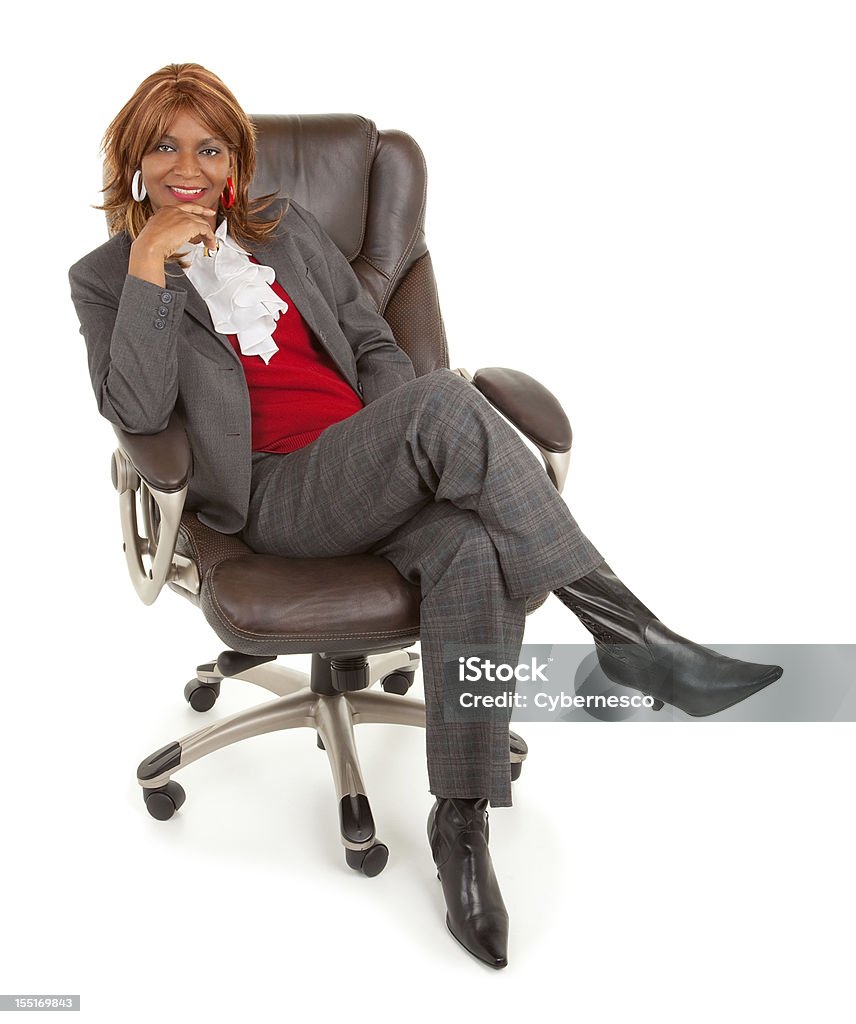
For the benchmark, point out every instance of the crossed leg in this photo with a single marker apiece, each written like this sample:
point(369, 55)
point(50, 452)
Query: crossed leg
point(431, 477)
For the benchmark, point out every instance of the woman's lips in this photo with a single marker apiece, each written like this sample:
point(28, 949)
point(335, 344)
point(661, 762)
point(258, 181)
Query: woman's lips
point(186, 195)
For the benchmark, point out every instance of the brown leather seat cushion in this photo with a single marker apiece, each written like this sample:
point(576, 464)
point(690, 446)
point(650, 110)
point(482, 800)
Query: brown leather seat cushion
point(264, 604)
point(359, 597)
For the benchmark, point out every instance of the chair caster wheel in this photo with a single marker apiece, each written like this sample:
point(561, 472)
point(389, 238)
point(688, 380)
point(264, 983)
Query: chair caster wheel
point(201, 696)
point(517, 745)
point(397, 682)
point(371, 861)
point(163, 802)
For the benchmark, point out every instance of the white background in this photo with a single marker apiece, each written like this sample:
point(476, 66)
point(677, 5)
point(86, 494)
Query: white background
point(650, 207)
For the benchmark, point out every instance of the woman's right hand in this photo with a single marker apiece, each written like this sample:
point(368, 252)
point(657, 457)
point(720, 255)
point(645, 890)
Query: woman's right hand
point(165, 231)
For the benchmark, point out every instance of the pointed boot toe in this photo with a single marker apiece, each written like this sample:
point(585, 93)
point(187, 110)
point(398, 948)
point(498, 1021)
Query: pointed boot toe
point(700, 681)
point(485, 937)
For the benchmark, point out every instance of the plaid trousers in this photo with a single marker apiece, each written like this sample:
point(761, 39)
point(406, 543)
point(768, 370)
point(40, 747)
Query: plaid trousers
point(432, 478)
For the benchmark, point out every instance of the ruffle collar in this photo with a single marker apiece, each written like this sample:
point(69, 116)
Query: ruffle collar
point(237, 293)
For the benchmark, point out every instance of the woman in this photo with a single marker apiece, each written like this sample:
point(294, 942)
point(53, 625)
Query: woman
point(444, 488)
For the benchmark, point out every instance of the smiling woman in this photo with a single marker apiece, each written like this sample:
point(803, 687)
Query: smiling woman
point(185, 175)
point(312, 437)
point(183, 130)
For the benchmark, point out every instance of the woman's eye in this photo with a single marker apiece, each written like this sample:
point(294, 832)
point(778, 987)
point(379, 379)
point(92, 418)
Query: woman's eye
point(163, 147)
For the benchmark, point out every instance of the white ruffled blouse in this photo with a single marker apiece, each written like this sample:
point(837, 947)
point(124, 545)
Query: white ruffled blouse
point(237, 293)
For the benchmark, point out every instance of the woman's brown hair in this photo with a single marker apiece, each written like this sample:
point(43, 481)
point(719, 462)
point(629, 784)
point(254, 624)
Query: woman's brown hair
point(147, 116)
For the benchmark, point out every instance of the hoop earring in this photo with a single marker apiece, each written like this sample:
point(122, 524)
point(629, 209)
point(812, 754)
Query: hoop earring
point(227, 197)
point(138, 188)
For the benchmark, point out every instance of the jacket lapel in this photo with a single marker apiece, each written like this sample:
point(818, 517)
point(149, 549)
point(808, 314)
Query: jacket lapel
point(291, 270)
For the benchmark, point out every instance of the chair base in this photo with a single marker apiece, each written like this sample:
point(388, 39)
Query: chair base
point(303, 701)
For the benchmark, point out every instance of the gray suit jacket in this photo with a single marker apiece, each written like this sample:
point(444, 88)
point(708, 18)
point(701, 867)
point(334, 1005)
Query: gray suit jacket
point(153, 349)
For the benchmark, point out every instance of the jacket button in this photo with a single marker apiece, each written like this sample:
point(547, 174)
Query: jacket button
point(160, 324)
point(166, 296)
point(163, 311)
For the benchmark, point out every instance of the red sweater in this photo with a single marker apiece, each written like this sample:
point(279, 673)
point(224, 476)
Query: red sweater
point(300, 392)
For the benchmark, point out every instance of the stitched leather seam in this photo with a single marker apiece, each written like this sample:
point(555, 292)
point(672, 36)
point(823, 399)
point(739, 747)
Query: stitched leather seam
point(388, 291)
point(362, 256)
point(369, 147)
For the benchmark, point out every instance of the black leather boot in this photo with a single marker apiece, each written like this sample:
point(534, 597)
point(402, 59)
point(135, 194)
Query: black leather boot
point(635, 649)
point(458, 833)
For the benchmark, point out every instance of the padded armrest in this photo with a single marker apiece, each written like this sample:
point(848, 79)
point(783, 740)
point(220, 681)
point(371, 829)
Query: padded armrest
point(163, 460)
point(533, 409)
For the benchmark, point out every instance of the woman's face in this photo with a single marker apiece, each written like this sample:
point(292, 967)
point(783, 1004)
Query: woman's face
point(186, 165)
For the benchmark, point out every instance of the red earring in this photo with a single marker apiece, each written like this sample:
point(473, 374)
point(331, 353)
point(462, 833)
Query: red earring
point(228, 196)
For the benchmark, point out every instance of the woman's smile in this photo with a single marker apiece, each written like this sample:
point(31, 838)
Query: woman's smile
point(187, 195)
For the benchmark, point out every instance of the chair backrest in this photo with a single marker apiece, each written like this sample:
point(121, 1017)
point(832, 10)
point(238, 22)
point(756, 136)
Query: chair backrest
point(367, 188)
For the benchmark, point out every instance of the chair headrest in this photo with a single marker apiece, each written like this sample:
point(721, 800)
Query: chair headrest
point(324, 162)
point(366, 187)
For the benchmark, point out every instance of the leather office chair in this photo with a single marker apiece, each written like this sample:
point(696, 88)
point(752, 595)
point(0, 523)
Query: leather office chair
point(356, 614)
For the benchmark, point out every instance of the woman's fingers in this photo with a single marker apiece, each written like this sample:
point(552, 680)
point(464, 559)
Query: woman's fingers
point(172, 226)
point(208, 238)
point(203, 211)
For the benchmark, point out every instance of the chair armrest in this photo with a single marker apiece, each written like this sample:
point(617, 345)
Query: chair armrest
point(533, 410)
point(155, 469)
point(163, 460)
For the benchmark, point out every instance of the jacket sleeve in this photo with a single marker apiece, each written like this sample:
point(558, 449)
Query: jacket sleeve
point(131, 341)
point(381, 364)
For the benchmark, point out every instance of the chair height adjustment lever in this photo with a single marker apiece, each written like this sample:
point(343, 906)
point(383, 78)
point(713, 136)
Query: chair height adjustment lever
point(232, 663)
